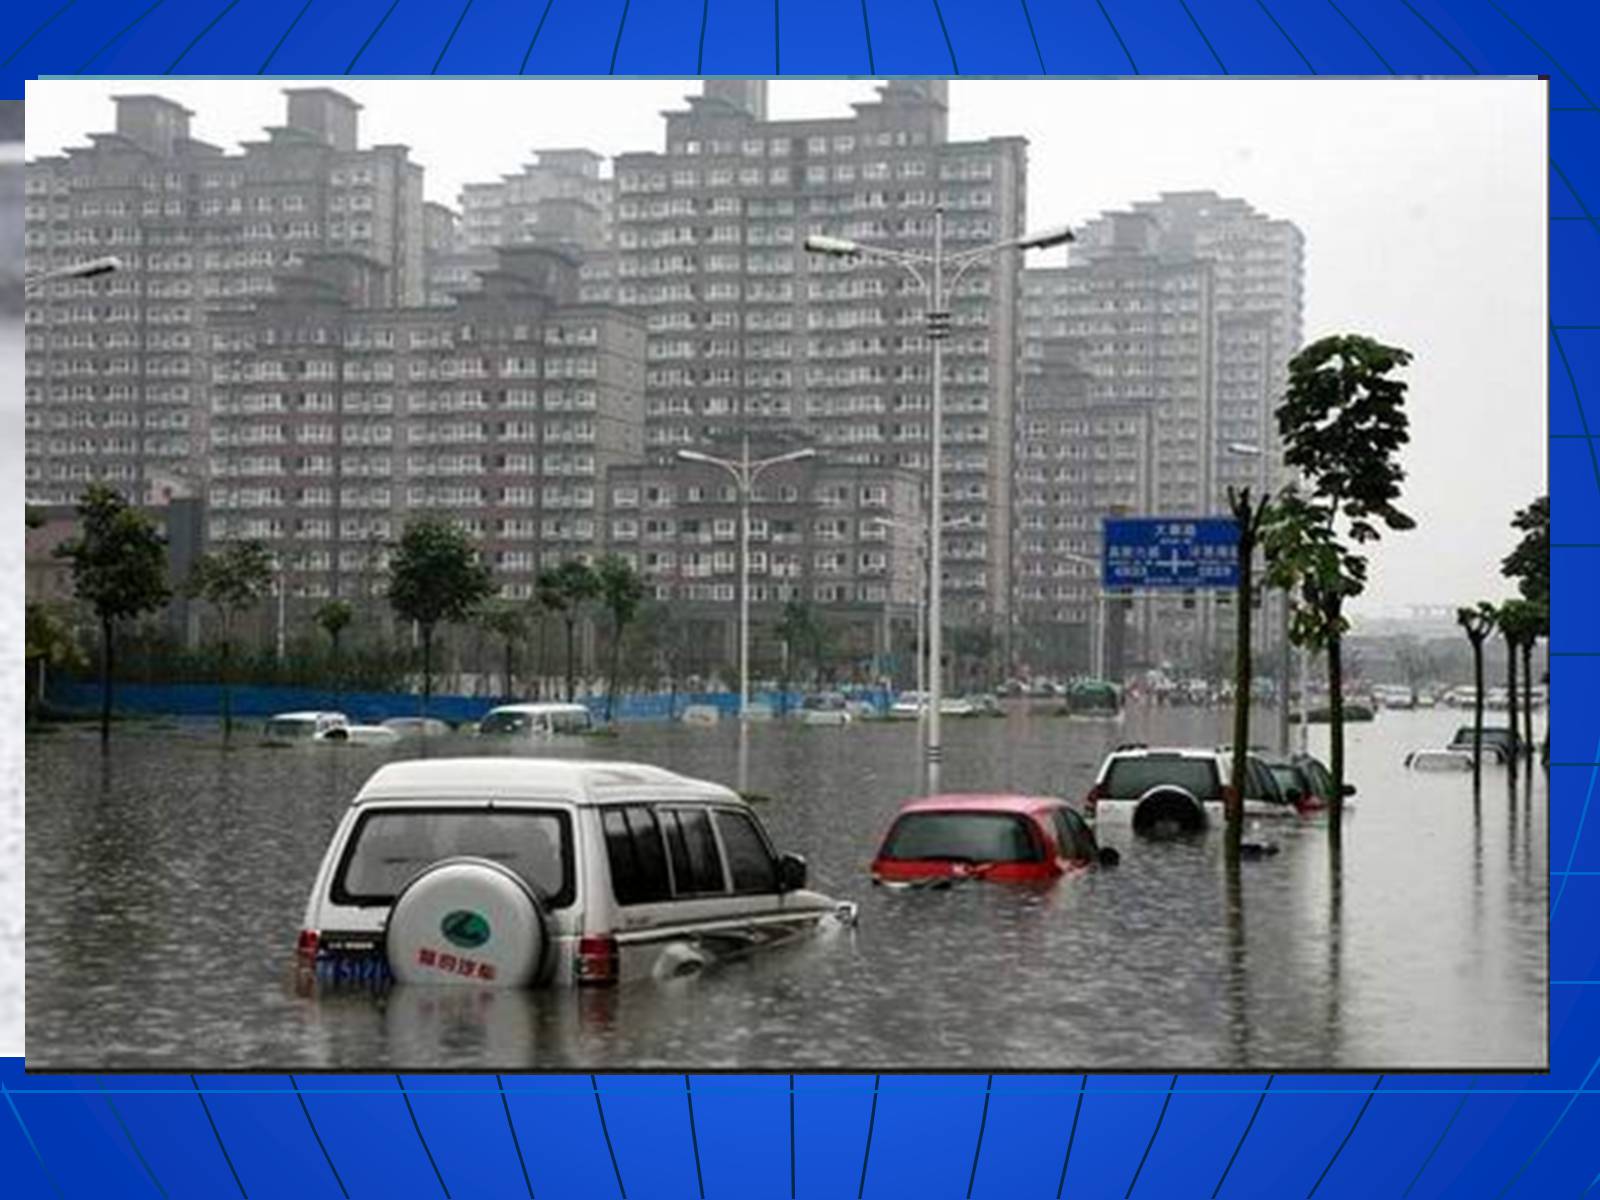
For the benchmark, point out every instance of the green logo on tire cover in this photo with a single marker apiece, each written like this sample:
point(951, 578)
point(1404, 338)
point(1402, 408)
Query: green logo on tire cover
point(464, 928)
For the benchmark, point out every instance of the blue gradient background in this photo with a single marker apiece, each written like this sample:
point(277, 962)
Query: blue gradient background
point(753, 1137)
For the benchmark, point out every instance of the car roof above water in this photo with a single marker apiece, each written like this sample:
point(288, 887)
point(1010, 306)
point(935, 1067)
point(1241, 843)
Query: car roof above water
point(982, 802)
point(576, 781)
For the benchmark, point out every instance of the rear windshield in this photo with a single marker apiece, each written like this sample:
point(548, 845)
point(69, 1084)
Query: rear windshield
point(1130, 778)
point(960, 837)
point(1289, 780)
point(569, 722)
point(388, 848)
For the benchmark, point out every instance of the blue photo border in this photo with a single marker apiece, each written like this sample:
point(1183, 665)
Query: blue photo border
point(757, 1136)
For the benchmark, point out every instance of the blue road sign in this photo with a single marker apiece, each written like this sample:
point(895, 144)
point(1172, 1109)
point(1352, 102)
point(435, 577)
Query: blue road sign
point(1184, 553)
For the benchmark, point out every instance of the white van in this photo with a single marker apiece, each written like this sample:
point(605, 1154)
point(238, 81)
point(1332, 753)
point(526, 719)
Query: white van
point(536, 720)
point(508, 872)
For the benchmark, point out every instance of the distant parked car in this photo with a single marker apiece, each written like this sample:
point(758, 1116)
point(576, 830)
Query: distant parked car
point(295, 728)
point(1439, 760)
point(1304, 782)
point(828, 708)
point(1000, 838)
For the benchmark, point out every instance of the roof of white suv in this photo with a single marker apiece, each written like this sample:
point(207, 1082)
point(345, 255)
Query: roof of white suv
point(576, 780)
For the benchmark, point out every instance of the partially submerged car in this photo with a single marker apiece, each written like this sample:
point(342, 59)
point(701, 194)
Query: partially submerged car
point(511, 872)
point(1500, 744)
point(1162, 791)
point(536, 721)
point(300, 728)
point(1001, 838)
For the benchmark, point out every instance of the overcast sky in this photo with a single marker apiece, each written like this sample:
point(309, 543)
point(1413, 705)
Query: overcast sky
point(1422, 202)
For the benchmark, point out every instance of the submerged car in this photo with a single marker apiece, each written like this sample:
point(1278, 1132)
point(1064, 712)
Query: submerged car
point(1003, 838)
point(1303, 782)
point(829, 708)
point(1500, 744)
point(536, 720)
point(298, 728)
point(408, 727)
point(508, 872)
point(1180, 790)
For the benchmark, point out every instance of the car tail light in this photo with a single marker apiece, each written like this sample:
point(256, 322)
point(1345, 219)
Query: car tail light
point(306, 948)
point(1095, 793)
point(597, 960)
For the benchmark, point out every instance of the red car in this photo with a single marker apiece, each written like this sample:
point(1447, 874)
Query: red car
point(1009, 839)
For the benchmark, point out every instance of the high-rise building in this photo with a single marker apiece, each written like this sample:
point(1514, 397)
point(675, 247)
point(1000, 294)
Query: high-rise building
point(559, 198)
point(748, 332)
point(335, 415)
point(1187, 308)
point(117, 373)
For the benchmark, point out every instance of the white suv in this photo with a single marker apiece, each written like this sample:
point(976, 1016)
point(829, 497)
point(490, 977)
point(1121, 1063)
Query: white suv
point(511, 872)
point(1179, 789)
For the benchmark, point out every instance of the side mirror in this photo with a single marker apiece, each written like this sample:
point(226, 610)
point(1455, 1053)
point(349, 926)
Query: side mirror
point(1109, 857)
point(1349, 789)
point(791, 873)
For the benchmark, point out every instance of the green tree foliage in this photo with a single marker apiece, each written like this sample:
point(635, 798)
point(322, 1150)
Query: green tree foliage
point(1522, 623)
point(50, 641)
point(621, 592)
point(435, 577)
point(1344, 423)
point(233, 581)
point(564, 590)
point(804, 638)
point(119, 571)
point(333, 617)
point(1529, 562)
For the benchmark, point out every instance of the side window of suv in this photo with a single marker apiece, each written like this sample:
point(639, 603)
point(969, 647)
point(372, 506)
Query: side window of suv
point(638, 856)
point(696, 865)
point(749, 858)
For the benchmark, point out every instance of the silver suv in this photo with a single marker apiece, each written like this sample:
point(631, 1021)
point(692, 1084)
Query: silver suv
point(1170, 790)
point(510, 872)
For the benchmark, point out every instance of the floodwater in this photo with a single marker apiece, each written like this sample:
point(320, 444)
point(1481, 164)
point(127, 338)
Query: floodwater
point(166, 882)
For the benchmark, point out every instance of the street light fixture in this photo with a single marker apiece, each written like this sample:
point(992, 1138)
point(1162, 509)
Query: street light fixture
point(1249, 450)
point(745, 472)
point(938, 293)
point(87, 269)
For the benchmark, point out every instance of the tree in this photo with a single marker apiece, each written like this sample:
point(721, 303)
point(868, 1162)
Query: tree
point(119, 570)
point(1522, 623)
point(802, 638)
point(621, 592)
point(232, 580)
point(1478, 623)
point(50, 641)
point(1343, 422)
point(509, 623)
point(1529, 562)
point(565, 589)
point(334, 616)
point(1249, 515)
point(435, 577)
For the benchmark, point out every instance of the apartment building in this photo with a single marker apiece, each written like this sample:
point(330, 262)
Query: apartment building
point(116, 364)
point(749, 332)
point(841, 538)
point(336, 416)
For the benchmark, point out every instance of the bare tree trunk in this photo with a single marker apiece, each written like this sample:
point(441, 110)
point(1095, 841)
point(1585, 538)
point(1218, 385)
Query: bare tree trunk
point(1336, 719)
point(1241, 697)
point(572, 624)
point(616, 667)
point(1477, 712)
point(427, 667)
point(105, 679)
point(1527, 698)
point(1511, 707)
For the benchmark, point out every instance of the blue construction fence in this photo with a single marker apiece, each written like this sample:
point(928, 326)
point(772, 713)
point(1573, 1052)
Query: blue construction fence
point(205, 700)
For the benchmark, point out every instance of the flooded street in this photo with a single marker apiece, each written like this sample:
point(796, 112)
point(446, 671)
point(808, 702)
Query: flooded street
point(166, 884)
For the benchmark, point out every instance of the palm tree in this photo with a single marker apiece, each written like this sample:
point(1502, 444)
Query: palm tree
point(334, 617)
point(621, 591)
point(510, 624)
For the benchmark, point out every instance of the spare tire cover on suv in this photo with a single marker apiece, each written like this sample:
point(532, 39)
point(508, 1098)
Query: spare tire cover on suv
point(467, 921)
point(1167, 810)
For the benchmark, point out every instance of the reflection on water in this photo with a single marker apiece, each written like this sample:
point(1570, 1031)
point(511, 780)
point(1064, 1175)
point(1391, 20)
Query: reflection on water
point(166, 886)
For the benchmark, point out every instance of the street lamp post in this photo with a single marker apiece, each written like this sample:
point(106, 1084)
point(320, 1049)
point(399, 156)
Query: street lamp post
point(922, 596)
point(1285, 693)
point(745, 473)
point(938, 294)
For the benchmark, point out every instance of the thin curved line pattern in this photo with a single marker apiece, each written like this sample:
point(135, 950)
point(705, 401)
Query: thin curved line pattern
point(195, 41)
point(117, 35)
point(1249, 1125)
point(516, 1142)
point(1262, 5)
point(217, 1133)
point(1116, 33)
point(533, 41)
point(376, 29)
point(1440, 1141)
point(1365, 41)
point(1066, 1158)
point(306, 1109)
point(866, 1155)
point(1154, 1133)
point(948, 44)
point(977, 1150)
point(454, 29)
point(27, 1136)
point(600, 1111)
point(40, 28)
point(273, 53)
point(1349, 1133)
point(417, 1125)
point(1190, 14)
